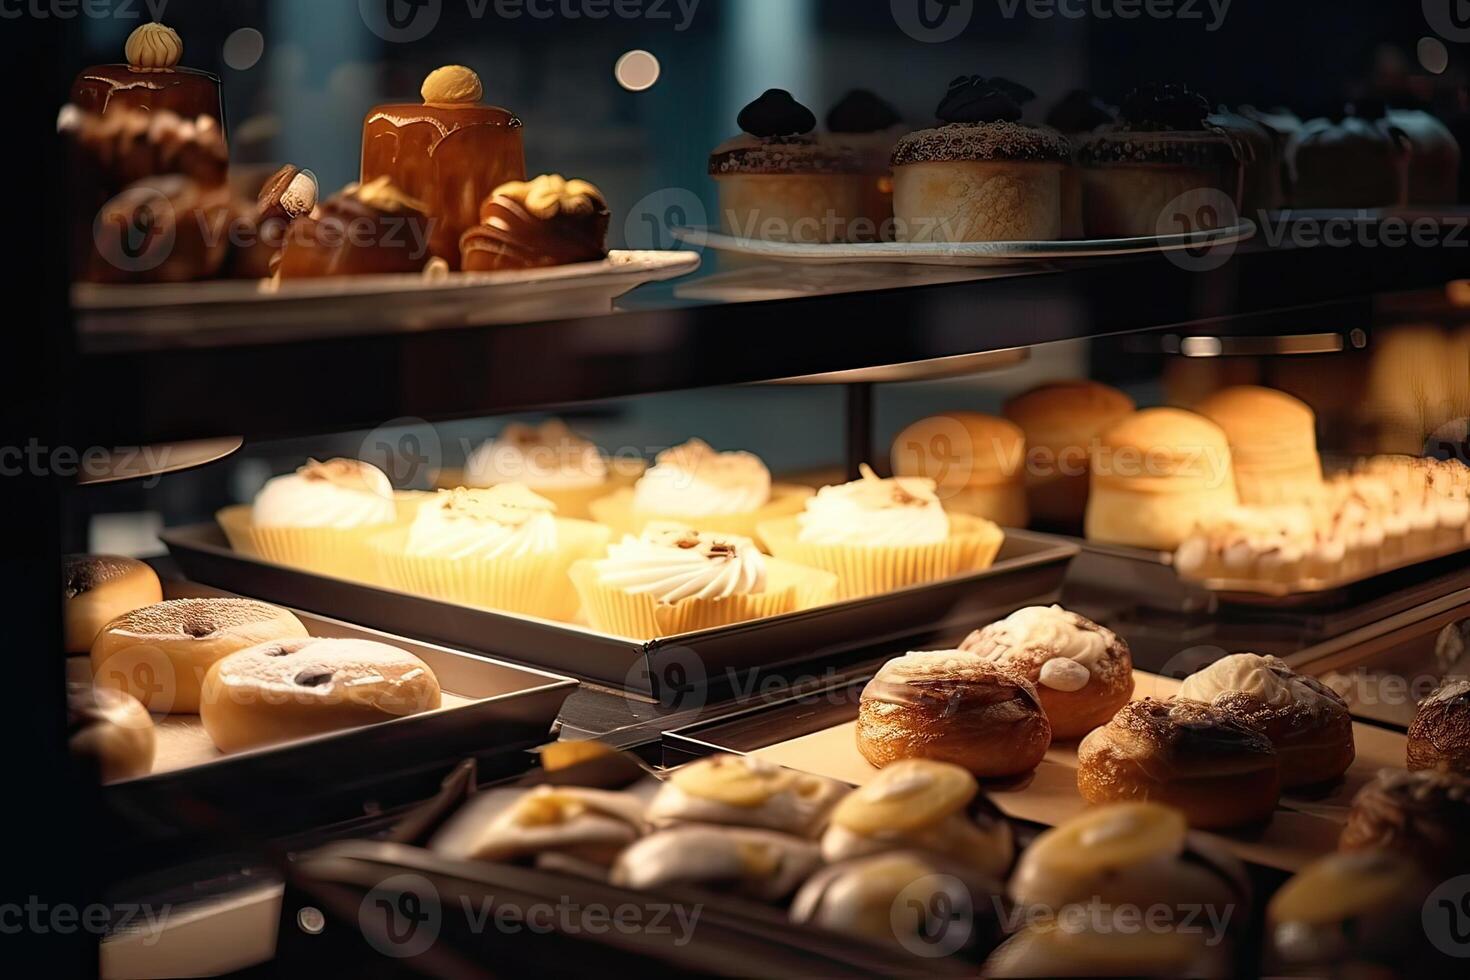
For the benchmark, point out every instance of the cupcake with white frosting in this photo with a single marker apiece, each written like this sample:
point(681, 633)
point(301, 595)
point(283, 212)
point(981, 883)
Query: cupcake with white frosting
point(730, 493)
point(318, 518)
point(673, 579)
point(550, 459)
point(500, 548)
point(878, 535)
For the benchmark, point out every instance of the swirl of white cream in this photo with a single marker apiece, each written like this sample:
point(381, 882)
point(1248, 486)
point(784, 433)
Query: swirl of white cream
point(548, 457)
point(340, 494)
point(693, 480)
point(671, 563)
point(508, 521)
point(1049, 628)
point(1247, 673)
point(875, 513)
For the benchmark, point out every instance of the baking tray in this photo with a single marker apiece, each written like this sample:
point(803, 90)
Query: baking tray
point(1031, 567)
point(817, 734)
point(492, 712)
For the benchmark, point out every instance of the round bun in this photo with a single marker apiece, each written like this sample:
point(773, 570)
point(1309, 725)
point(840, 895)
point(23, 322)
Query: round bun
point(1421, 814)
point(1351, 163)
point(1156, 476)
point(1185, 754)
point(1307, 722)
point(1273, 443)
point(159, 654)
point(96, 589)
point(1083, 673)
point(1061, 420)
point(112, 728)
point(1054, 949)
point(1439, 736)
point(953, 707)
point(977, 463)
point(296, 688)
point(1347, 908)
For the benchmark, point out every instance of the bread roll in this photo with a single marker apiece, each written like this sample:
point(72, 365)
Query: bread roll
point(112, 728)
point(1273, 444)
point(977, 462)
point(1060, 421)
point(1421, 814)
point(296, 688)
point(96, 589)
point(160, 653)
point(1439, 736)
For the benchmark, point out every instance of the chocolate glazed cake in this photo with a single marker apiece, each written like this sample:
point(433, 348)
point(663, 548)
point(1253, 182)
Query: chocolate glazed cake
point(450, 152)
point(545, 222)
point(151, 80)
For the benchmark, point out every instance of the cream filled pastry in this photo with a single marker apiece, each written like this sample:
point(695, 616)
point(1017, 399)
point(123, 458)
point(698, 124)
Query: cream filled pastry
point(507, 521)
point(924, 805)
point(545, 457)
point(671, 563)
point(696, 481)
point(758, 864)
point(873, 512)
point(744, 791)
point(340, 494)
point(585, 824)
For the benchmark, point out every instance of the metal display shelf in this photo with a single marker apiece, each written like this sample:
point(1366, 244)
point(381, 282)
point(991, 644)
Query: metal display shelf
point(189, 386)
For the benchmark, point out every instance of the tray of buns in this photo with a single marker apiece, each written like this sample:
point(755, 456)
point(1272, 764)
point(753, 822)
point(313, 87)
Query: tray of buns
point(1029, 567)
point(213, 701)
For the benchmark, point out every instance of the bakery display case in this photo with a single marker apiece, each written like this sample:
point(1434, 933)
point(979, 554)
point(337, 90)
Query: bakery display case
point(654, 462)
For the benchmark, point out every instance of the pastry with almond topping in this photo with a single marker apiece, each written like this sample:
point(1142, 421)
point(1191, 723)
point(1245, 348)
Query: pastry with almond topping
point(534, 224)
point(370, 229)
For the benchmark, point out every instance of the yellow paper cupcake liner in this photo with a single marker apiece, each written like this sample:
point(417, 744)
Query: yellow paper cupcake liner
point(617, 512)
point(408, 503)
point(575, 502)
point(971, 546)
point(532, 585)
point(319, 550)
point(789, 588)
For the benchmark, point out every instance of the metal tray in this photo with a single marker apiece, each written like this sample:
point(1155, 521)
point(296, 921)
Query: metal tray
point(494, 712)
point(1030, 567)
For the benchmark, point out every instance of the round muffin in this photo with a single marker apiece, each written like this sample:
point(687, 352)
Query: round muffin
point(1273, 444)
point(977, 463)
point(1219, 772)
point(1061, 420)
point(953, 707)
point(1439, 736)
point(160, 654)
point(1422, 814)
point(1434, 159)
point(112, 728)
point(1307, 722)
point(96, 589)
point(1356, 161)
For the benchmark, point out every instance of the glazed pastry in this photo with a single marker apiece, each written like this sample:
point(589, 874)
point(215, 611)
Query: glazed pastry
point(340, 494)
point(695, 481)
point(111, 728)
point(1161, 149)
point(953, 707)
point(1273, 444)
point(113, 151)
point(922, 805)
point(758, 864)
point(451, 153)
point(894, 898)
point(744, 791)
point(1439, 736)
point(290, 193)
point(982, 175)
point(160, 654)
point(1215, 769)
point(96, 589)
point(1128, 854)
point(1422, 814)
point(1083, 673)
point(1360, 160)
point(582, 824)
point(162, 229)
point(548, 221)
point(778, 182)
point(1346, 909)
point(369, 229)
point(1060, 421)
point(151, 81)
point(1055, 949)
point(869, 127)
point(977, 463)
point(290, 689)
point(1434, 157)
point(1156, 476)
point(1305, 720)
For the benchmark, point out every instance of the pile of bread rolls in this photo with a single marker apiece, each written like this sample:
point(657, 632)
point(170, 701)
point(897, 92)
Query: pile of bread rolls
point(249, 670)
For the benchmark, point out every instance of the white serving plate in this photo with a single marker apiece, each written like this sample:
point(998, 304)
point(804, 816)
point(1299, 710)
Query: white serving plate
point(969, 254)
point(111, 315)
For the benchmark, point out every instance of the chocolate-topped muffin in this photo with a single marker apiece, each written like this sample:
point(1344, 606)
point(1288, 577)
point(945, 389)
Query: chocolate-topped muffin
point(1263, 166)
point(150, 81)
point(869, 126)
point(1434, 157)
point(1421, 814)
point(366, 229)
point(1357, 160)
point(1138, 171)
point(982, 175)
point(1080, 112)
point(544, 222)
point(778, 182)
